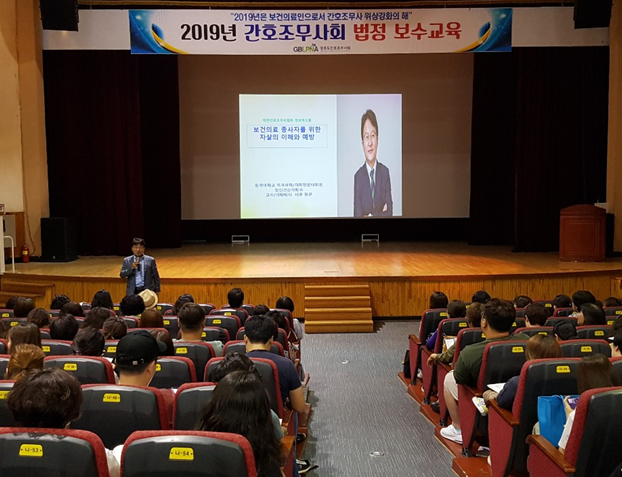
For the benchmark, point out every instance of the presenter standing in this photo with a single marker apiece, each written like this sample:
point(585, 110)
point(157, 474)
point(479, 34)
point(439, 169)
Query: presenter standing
point(372, 182)
point(140, 270)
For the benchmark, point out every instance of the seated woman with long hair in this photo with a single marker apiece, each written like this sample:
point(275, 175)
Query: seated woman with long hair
point(24, 358)
point(240, 405)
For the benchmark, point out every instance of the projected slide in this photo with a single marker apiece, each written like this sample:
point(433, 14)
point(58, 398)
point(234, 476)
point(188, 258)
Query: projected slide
point(320, 156)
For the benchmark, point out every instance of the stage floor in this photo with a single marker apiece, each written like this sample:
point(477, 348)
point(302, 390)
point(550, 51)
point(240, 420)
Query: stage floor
point(395, 260)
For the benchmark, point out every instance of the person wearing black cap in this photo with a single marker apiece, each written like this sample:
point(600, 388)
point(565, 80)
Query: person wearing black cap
point(136, 358)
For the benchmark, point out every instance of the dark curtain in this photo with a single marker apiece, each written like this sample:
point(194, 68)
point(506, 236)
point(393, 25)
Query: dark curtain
point(112, 127)
point(555, 153)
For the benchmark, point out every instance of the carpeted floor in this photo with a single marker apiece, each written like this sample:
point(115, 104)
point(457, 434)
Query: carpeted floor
point(360, 406)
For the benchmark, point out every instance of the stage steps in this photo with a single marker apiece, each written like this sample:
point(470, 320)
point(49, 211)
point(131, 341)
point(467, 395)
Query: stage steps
point(41, 293)
point(338, 309)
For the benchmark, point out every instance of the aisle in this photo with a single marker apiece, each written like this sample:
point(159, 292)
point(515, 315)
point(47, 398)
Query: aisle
point(360, 406)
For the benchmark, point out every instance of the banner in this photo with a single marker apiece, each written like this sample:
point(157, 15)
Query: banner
point(320, 32)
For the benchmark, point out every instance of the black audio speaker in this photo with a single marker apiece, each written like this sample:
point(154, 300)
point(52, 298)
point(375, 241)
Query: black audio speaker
point(592, 13)
point(59, 14)
point(58, 239)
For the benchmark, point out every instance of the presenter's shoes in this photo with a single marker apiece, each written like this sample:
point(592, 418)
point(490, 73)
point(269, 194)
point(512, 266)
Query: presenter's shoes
point(305, 466)
point(452, 434)
point(436, 407)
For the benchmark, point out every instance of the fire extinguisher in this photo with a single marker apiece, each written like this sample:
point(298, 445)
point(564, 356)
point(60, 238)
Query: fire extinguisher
point(25, 254)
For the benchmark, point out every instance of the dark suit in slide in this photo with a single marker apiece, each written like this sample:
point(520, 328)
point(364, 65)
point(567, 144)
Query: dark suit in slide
point(362, 192)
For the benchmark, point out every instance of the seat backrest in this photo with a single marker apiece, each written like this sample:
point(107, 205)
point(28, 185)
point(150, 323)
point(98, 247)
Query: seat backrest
point(542, 377)
point(581, 348)
point(6, 418)
point(466, 337)
point(4, 313)
point(86, 369)
point(281, 338)
point(57, 347)
point(4, 363)
point(171, 323)
point(563, 312)
point(231, 323)
point(548, 304)
point(552, 321)
point(45, 333)
point(239, 346)
point(188, 404)
point(241, 313)
point(114, 412)
point(269, 375)
point(36, 452)
point(10, 322)
point(429, 322)
point(131, 321)
point(502, 360)
point(110, 349)
point(520, 312)
point(519, 322)
point(199, 353)
point(172, 372)
point(613, 310)
point(617, 366)
point(593, 332)
point(535, 330)
point(195, 453)
point(207, 307)
point(215, 333)
point(164, 307)
point(3, 347)
point(449, 327)
point(594, 443)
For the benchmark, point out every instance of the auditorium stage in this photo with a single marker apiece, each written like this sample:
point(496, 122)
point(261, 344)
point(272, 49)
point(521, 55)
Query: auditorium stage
point(401, 275)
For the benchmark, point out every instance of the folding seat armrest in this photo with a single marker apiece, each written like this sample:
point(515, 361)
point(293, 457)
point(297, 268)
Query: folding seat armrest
point(415, 338)
point(507, 416)
point(472, 390)
point(550, 452)
point(445, 366)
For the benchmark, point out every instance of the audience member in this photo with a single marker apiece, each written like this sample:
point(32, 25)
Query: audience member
point(521, 301)
point(612, 301)
point(58, 301)
point(50, 398)
point(191, 322)
point(151, 318)
point(24, 333)
point(538, 347)
point(293, 343)
point(480, 297)
point(114, 328)
point(96, 317)
point(235, 298)
point(24, 358)
point(497, 320)
point(286, 303)
point(617, 325)
point(590, 314)
point(150, 298)
point(89, 342)
point(240, 405)
point(535, 315)
point(72, 308)
point(240, 362)
point(39, 317)
point(10, 303)
point(474, 318)
point(259, 334)
point(102, 298)
point(562, 301)
point(582, 297)
point(64, 328)
point(438, 300)
point(565, 330)
point(23, 306)
point(616, 344)
point(455, 309)
point(132, 305)
point(594, 372)
point(135, 362)
point(181, 301)
point(164, 337)
point(261, 310)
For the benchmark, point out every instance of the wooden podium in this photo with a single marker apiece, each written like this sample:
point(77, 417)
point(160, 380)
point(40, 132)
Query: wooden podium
point(582, 235)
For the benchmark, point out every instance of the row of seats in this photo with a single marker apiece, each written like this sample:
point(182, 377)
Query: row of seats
point(34, 451)
point(113, 412)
